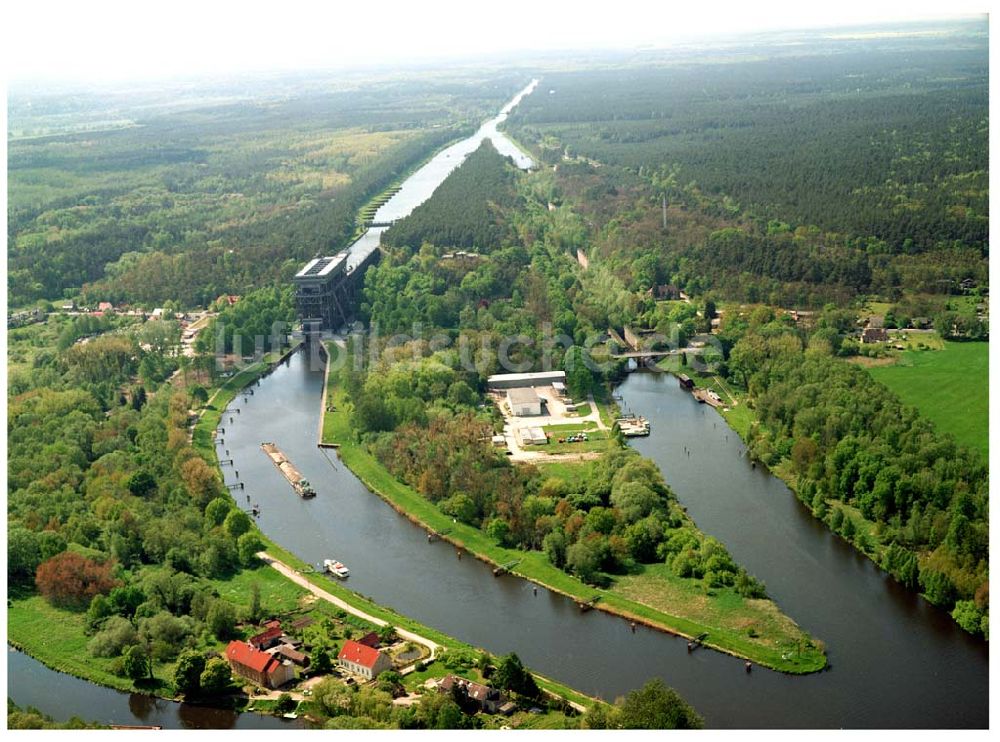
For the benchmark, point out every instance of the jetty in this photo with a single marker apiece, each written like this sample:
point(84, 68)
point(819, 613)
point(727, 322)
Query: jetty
point(633, 426)
point(708, 396)
point(294, 476)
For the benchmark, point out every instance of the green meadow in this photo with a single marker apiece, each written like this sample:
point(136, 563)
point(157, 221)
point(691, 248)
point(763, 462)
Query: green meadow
point(949, 387)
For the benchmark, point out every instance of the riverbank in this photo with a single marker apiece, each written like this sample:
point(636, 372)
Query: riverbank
point(843, 520)
point(58, 638)
point(377, 612)
point(797, 655)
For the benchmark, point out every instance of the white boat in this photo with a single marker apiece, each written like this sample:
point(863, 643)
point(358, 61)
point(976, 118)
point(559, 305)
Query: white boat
point(336, 568)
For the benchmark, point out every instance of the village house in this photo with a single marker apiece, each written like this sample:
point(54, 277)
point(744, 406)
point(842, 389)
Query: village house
point(874, 335)
point(362, 660)
point(259, 667)
point(268, 638)
point(370, 640)
point(288, 652)
point(487, 699)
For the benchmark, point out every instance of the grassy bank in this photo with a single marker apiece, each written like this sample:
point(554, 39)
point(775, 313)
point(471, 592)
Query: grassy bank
point(388, 614)
point(56, 638)
point(772, 651)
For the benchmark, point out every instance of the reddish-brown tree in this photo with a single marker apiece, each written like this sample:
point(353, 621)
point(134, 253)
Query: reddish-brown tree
point(71, 580)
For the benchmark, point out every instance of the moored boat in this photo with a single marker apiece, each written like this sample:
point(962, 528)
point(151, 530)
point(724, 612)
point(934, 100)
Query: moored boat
point(337, 569)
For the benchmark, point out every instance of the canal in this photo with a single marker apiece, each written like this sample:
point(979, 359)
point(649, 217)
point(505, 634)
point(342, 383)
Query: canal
point(895, 660)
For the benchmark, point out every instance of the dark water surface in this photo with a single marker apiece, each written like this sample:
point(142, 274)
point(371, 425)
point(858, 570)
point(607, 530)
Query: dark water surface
point(61, 696)
point(895, 660)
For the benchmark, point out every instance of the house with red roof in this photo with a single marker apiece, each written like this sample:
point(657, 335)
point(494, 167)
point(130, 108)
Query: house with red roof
point(260, 667)
point(266, 639)
point(370, 640)
point(362, 660)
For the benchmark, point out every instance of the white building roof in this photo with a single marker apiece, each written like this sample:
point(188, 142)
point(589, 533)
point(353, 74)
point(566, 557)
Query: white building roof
point(534, 435)
point(539, 376)
point(319, 267)
point(522, 395)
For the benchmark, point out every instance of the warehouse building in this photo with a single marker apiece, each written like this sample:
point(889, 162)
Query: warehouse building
point(524, 402)
point(499, 382)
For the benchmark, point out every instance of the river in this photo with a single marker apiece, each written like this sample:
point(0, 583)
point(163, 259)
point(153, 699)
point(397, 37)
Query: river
point(895, 660)
point(421, 184)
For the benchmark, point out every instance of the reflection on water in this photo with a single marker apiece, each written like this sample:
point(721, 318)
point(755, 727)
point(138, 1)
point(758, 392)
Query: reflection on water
point(61, 696)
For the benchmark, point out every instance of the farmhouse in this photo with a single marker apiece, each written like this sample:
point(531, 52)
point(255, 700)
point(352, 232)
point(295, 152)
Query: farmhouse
point(288, 652)
point(358, 659)
point(484, 697)
point(874, 335)
point(266, 639)
point(524, 402)
point(258, 667)
point(370, 640)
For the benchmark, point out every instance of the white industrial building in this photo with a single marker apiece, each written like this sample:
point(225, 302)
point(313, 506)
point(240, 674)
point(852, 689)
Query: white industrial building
point(532, 436)
point(524, 402)
point(513, 381)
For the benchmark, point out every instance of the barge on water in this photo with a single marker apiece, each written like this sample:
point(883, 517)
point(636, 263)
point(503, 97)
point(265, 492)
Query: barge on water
point(299, 484)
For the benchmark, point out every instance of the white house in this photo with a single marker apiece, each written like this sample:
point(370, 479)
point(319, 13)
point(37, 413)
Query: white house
point(361, 660)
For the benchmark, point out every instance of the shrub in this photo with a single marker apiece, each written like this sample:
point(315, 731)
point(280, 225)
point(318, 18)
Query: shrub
point(117, 634)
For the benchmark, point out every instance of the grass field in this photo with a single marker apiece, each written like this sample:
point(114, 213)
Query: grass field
point(756, 623)
point(597, 440)
point(574, 473)
point(949, 387)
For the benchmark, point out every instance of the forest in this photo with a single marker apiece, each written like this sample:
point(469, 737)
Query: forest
point(873, 469)
point(463, 211)
point(888, 144)
point(220, 199)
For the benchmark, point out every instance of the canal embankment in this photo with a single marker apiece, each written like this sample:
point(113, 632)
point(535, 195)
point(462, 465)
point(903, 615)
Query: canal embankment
point(534, 566)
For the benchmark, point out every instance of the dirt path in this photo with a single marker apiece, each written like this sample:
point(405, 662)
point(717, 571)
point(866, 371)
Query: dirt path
point(298, 579)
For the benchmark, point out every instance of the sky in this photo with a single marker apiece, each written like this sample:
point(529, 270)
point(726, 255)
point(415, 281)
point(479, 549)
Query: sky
point(111, 40)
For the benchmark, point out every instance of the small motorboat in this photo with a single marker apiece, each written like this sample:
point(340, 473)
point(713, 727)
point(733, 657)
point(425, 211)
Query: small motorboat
point(337, 569)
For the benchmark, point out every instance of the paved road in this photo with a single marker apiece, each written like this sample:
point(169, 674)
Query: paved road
point(297, 578)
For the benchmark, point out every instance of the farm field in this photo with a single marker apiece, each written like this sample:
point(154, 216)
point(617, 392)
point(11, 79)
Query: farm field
point(950, 387)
